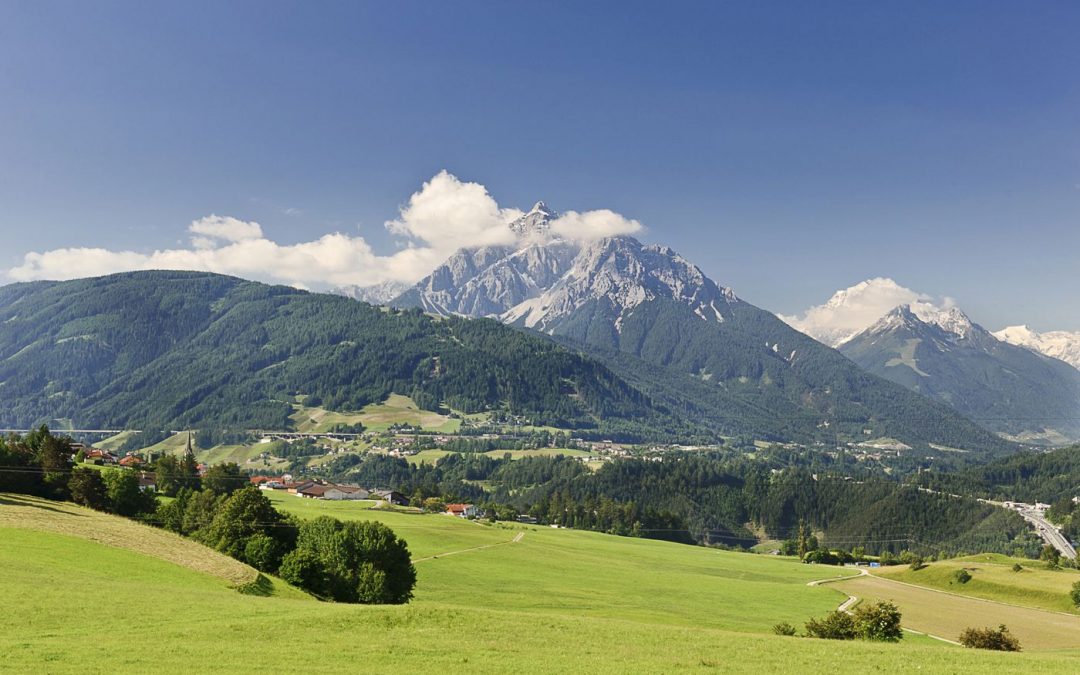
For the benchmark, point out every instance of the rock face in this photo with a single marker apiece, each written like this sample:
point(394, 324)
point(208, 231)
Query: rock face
point(1056, 344)
point(943, 354)
point(378, 294)
point(655, 317)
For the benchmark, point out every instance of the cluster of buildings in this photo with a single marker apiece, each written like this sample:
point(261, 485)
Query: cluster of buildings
point(320, 489)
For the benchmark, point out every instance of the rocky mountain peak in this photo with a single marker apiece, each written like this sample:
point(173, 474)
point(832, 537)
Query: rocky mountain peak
point(536, 224)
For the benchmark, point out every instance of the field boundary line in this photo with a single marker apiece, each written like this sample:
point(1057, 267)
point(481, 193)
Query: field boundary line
point(972, 597)
point(517, 538)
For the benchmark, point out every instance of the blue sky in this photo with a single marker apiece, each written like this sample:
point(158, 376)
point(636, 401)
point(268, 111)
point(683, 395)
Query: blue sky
point(790, 149)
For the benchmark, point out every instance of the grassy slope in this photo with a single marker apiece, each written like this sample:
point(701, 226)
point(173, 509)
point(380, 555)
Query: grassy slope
point(947, 615)
point(396, 409)
point(992, 578)
point(557, 602)
point(19, 513)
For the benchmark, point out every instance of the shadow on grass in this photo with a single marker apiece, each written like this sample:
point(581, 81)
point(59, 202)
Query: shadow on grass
point(262, 587)
point(35, 502)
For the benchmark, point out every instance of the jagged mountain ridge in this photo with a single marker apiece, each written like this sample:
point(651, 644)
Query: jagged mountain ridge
point(943, 354)
point(1057, 344)
point(618, 296)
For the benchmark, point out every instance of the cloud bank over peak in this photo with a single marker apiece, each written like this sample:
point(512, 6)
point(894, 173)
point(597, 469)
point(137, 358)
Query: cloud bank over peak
point(852, 310)
point(445, 214)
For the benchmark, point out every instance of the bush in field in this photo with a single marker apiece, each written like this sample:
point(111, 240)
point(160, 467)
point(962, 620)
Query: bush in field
point(784, 628)
point(999, 639)
point(833, 626)
point(880, 622)
point(1017, 567)
point(962, 576)
point(1074, 594)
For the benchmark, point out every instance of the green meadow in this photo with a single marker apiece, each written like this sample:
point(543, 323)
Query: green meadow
point(993, 578)
point(489, 599)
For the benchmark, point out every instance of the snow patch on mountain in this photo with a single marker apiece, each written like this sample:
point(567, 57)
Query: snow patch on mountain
point(1059, 344)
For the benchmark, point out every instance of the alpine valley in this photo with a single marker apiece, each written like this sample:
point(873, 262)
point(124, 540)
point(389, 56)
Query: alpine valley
point(655, 319)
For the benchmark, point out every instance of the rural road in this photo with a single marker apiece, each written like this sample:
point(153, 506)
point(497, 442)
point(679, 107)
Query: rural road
point(852, 600)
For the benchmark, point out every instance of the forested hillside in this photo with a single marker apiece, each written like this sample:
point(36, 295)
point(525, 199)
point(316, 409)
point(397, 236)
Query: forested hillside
point(754, 374)
point(1028, 477)
point(161, 350)
point(708, 498)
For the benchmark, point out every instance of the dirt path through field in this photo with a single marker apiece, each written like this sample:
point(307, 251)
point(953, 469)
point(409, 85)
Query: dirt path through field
point(517, 537)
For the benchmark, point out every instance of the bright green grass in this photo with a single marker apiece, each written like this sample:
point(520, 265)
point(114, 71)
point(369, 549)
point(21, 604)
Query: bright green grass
point(396, 409)
point(427, 456)
point(426, 534)
point(615, 577)
point(992, 578)
point(113, 443)
point(569, 602)
point(173, 445)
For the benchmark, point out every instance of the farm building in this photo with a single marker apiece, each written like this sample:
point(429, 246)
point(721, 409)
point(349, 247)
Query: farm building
point(462, 510)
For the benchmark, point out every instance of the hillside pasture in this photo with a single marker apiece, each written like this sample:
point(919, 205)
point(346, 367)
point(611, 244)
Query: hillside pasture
point(556, 601)
point(946, 615)
point(993, 578)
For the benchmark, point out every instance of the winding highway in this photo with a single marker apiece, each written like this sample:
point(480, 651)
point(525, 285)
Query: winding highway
point(1050, 534)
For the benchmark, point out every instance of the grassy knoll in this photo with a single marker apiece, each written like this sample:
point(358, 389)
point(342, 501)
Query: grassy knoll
point(173, 445)
point(20, 514)
point(396, 409)
point(555, 602)
point(946, 615)
point(993, 578)
point(401, 410)
point(113, 443)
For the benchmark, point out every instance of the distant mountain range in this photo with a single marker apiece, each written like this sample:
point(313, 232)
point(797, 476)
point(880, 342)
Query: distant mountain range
point(1055, 344)
point(659, 322)
point(943, 354)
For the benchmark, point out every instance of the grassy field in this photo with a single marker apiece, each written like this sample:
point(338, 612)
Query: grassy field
point(113, 443)
point(20, 514)
point(946, 615)
point(396, 409)
point(556, 601)
point(992, 578)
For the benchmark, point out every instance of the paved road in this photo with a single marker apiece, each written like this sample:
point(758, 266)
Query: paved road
point(1050, 534)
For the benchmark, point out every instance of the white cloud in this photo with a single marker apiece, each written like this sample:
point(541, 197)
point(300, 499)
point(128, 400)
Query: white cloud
point(852, 310)
point(443, 216)
point(593, 225)
point(225, 228)
point(448, 214)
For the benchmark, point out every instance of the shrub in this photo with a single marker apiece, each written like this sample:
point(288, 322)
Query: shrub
point(783, 628)
point(833, 626)
point(962, 576)
point(916, 565)
point(999, 639)
point(1074, 594)
point(1017, 567)
point(880, 622)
